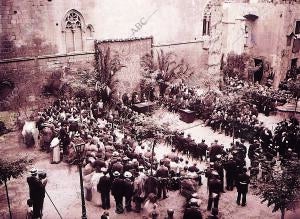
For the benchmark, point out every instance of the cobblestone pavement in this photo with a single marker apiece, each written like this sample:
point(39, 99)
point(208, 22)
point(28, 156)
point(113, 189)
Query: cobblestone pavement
point(63, 186)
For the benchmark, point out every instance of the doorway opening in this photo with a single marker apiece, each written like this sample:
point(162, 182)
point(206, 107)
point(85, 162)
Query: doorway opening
point(259, 70)
point(294, 63)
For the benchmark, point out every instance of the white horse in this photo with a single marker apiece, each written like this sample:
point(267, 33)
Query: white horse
point(30, 133)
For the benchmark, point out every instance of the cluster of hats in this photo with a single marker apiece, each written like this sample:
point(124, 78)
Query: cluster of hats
point(126, 174)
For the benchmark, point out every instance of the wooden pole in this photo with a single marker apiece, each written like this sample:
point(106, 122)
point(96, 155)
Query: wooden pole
point(8, 202)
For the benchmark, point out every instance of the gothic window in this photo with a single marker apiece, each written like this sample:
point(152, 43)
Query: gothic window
point(73, 29)
point(206, 21)
point(90, 31)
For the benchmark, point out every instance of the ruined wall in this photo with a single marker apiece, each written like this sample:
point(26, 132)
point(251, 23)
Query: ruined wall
point(34, 38)
point(264, 37)
point(215, 45)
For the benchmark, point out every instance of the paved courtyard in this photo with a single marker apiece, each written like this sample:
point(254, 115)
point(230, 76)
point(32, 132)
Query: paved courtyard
point(63, 184)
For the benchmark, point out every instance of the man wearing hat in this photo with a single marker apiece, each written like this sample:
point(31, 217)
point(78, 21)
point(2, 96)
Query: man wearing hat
point(104, 187)
point(163, 174)
point(36, 189)
point(192, 211)
point(218, 166)
point(243, 181)
point(215, 149)
point(128, 189)
point(230, 168)
point(215, 189)
point(117, 191)
point(202, 150)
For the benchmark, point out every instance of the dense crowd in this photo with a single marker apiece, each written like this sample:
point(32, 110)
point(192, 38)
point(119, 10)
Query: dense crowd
point(120, 159)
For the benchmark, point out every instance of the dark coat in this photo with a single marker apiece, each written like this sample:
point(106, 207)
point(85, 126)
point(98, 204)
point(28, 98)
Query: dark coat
point(128, 188)
point(151, 185)
point(243, 182)
point(214, 151)
point(162, 172)
point(192, 213)
point(215, 186)
point(104, 184)
point(202, 148)
point(117, 188)
point(36, 188)
point(230, 167)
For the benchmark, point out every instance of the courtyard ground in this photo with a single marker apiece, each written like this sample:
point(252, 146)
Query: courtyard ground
point(63, 182)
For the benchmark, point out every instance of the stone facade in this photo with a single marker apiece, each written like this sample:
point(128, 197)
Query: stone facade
point(35, 32)
point(262, 31)
point(38, 37)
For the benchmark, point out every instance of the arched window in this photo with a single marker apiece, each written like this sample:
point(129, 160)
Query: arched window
point(90, 31)
point(206, 20)
point(73, 27)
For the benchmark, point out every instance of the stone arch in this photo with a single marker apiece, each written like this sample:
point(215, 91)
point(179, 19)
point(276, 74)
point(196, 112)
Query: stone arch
point(73, 28)
point(90, 31)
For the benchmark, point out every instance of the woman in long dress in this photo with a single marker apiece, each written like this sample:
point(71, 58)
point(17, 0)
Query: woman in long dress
point(55, 150)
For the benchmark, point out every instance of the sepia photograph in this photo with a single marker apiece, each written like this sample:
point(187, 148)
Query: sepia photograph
point(149, 109)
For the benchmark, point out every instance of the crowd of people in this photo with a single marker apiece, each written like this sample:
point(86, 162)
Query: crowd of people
point(120, 159)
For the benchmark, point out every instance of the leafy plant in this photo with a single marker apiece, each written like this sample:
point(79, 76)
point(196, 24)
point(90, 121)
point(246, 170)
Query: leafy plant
point(12, 167)
point(170, 69)
point(236, 65)
point(148, 65)
point(282, 189)
point(107, 65)
point(294, 87)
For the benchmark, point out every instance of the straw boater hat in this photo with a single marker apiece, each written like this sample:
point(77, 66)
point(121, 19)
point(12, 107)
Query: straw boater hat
point(127, 174)
point(33, 171)
point(116, 173)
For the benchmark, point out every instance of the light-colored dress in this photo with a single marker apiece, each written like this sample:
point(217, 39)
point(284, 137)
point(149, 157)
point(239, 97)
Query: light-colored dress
point(30, 132)
point(95, 194)
point(55, 150)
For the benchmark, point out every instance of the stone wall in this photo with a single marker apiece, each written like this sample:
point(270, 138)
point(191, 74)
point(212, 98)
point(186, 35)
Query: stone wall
point(193, 53)
point(130, 52)
point(34, 38)
point(31, 74)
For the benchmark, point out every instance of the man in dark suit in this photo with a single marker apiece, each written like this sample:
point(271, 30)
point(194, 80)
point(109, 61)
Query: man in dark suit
point(214, 150)
point(128, 190)
point(202, 149)
point(104, 187)
point(230, 167)
point(163, 174)
point(35, 193)
point(117, 190)
point(243, 181)
point(215, 189)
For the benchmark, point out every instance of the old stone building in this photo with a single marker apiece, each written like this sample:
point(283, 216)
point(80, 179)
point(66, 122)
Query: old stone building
point(38, 37)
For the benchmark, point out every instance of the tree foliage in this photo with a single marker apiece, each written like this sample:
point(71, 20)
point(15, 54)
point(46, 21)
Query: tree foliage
point(107, 65)
point(170, 68)
point(13, 167)
point(294, 87)
point(236, 65)
point(282, 187)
